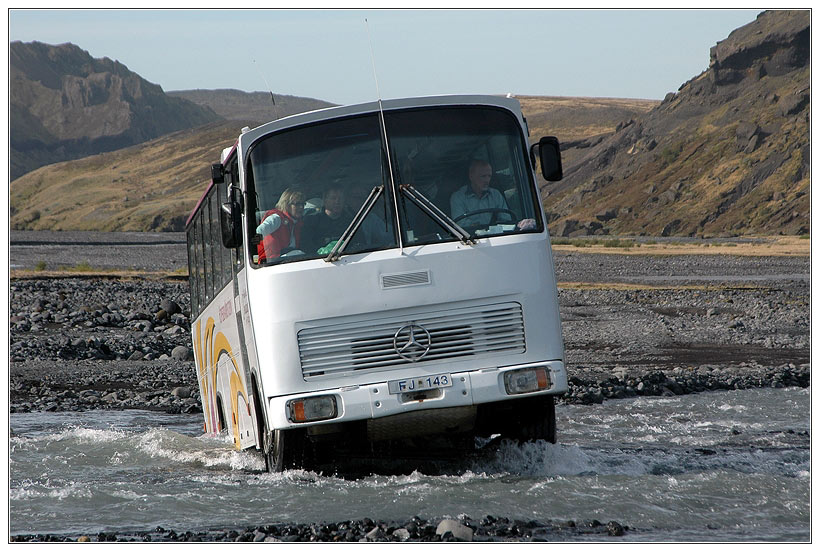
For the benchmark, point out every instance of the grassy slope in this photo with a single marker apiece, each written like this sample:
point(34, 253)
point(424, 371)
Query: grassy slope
point(124, 190)
point(155, 185)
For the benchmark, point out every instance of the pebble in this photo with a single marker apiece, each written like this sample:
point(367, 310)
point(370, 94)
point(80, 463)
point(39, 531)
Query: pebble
point(618, 344)
point(487, 529)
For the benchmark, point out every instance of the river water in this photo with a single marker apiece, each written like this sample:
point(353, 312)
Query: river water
point(721, 466)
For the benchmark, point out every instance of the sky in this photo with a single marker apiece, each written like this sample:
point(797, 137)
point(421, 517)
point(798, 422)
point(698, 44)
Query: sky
point(326, 54)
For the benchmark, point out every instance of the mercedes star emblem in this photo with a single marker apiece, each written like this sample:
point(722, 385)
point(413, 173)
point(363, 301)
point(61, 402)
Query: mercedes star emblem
point(412, 342)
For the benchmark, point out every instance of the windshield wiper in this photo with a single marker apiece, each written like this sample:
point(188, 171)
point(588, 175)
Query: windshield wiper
point(436, 214)
point(354, 225)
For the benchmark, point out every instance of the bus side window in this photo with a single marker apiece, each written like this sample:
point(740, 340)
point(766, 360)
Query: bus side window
point(216, 239)
point(198, 288)
point(206, 253)
point(192, 273)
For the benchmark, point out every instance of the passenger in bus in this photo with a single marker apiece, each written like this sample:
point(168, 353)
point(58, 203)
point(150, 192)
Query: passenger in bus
point(479, 195)
point(281, 227)
point(328, 224)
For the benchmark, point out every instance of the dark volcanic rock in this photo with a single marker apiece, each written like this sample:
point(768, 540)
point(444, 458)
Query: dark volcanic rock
point(487, 529)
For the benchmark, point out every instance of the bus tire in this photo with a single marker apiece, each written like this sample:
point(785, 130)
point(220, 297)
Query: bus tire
point(535, 419)
point(281, 448)
point(220, 415)
point(262, 434)
point(286, 450)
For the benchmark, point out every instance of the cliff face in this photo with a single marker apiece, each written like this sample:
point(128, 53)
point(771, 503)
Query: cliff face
point(64, 105)
point(727, 154)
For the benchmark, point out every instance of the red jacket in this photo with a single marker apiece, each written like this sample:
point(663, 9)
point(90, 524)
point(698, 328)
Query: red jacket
point(272, 244)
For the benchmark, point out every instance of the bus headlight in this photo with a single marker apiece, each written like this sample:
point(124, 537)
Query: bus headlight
point(311, 409)
point(527, 380)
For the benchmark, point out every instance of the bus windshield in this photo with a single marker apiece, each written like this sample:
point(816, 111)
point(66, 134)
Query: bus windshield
point(467, 164)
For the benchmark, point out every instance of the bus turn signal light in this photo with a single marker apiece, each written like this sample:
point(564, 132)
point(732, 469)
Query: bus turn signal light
point(312, 409)
point(526, 380)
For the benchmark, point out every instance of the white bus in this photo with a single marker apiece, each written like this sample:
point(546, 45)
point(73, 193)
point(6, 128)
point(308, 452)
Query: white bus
point(377, 273)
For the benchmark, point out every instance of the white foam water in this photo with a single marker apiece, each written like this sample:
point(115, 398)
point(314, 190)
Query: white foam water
point(719, 466)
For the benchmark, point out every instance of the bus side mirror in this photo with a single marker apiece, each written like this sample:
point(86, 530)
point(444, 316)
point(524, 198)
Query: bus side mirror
point(230, 221)
point(549, 153)
point(217, 173)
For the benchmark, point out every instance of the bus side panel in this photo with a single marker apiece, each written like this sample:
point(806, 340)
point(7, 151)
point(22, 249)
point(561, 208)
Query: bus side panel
point(220, 371)
point(249, 347)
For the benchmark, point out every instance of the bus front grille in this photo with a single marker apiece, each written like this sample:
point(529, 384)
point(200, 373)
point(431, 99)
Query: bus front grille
point(442, 335)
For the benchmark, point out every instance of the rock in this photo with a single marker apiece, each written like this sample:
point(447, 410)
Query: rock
point(170, 307)
point(460, 532)
point(181, 392)
point(745, 131)
point(110, 397)
point(615, 529)
point(173, 331)
point(607, 214)
point(374, 534)
point(181, 353)
point(753, 144)
point(566, 228)
point(401, 534)
point(792, 104)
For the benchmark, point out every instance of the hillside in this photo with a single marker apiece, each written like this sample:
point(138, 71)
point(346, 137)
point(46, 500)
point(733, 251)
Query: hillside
point(249, 106)
point(728, 154)
point(148, 187)
point(578, 121)
point(155, 185)
point(64, 104)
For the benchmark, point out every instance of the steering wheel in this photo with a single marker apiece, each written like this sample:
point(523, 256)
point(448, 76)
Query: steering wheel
point(493, 219)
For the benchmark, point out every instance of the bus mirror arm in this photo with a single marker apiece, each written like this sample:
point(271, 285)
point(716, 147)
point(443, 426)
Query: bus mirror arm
point(549, 153)
point(230, 224)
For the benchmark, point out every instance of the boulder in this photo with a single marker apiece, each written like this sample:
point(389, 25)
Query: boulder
point(607, 214)
point(169, 307)
point(181, 392)
point(181, 353)
point(459, 531)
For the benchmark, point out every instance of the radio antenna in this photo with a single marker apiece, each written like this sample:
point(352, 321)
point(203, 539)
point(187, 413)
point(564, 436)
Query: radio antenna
point(384, 140)
point(267, 86)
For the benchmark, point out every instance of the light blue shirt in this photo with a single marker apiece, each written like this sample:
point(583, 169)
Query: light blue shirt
point(464, 200)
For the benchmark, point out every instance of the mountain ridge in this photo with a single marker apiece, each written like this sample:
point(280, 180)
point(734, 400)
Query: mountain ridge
point(65, 104)
point(726, 154)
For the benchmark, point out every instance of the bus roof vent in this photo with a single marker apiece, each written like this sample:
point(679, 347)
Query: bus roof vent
point(405, 279)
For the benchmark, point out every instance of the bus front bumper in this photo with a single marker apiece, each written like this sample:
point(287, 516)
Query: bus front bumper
point(427, 392)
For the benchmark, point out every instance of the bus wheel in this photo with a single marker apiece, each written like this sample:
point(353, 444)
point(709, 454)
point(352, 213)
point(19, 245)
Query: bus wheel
point(286, 450)
point(220, 414)
point(535, 419)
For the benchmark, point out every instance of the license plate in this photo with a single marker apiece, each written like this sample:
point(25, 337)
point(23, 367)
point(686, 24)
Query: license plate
point(420, 384)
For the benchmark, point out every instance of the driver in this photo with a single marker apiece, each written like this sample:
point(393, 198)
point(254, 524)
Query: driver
point(478, 195)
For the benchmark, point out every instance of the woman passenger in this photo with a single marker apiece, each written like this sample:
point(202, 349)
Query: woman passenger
point(281, 227)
